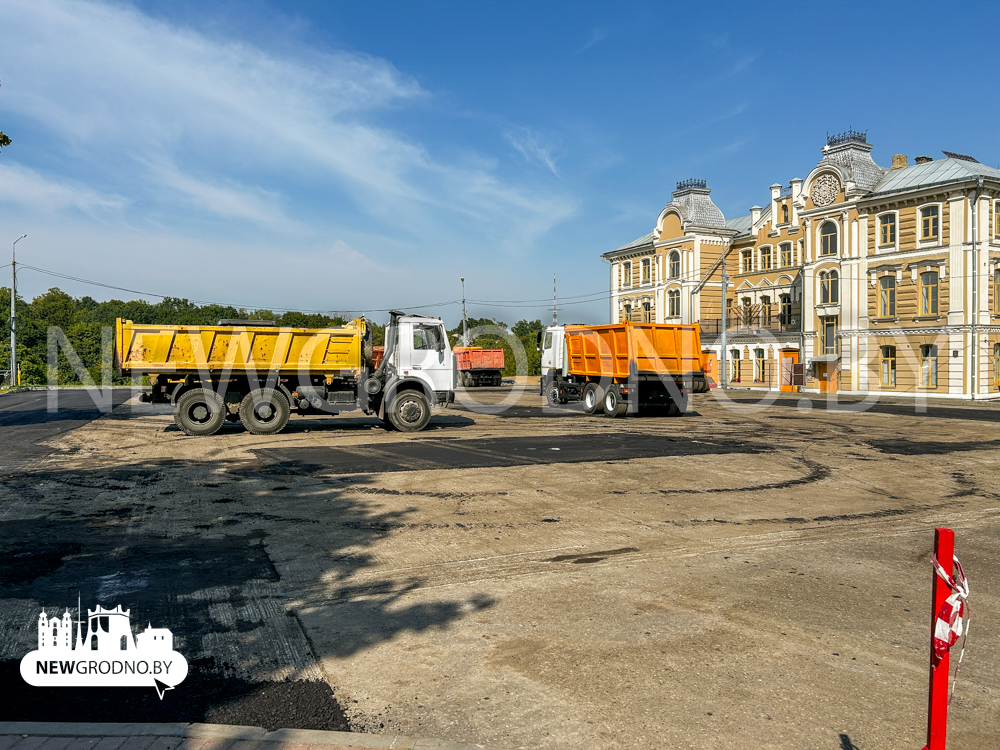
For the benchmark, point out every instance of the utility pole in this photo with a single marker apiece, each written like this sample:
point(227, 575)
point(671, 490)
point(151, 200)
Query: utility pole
point(723, 370)
point(975, 287)
point(13, 311)
point(554, 308)
point(465, 318)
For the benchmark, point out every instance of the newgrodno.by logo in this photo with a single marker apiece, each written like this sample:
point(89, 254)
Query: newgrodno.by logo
point(107, 655)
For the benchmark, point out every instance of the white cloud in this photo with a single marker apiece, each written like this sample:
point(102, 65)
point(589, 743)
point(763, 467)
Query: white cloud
point(21, 185)
point(533, 148)
point(237, 132)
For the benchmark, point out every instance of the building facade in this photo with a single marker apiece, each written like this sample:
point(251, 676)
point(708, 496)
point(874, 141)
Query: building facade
point(857, 279)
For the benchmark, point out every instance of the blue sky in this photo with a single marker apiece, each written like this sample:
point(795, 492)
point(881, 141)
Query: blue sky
point(359, 156)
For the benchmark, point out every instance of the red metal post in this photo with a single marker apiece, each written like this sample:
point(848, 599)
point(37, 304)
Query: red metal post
point(937, 693)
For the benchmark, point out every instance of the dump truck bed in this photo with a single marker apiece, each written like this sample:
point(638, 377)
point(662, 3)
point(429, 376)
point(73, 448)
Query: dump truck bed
point(142, 349)
point(475, 358)
point(615, 351)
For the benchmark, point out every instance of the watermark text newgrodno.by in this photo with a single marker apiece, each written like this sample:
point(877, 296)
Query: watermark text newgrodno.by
point(737, 400)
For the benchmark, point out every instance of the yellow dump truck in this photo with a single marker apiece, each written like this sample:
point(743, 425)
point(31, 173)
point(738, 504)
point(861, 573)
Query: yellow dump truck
point(258, 373)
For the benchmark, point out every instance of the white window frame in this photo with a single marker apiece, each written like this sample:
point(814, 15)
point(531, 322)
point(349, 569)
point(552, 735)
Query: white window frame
point(894, 246)
point(921, 242)
point(627, 278)
point(819, 239)
point(760, 255)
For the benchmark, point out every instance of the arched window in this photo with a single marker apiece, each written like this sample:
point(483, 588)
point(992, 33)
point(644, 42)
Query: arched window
point(829, 288)
point(674, 303)
point(784, 214)
point(675, 265)
point(828, 239)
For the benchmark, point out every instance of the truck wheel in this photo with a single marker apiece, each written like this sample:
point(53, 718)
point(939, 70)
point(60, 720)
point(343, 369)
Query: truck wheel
point(613, 404)
point(552, 395)
point(593, 396)
point(200, 411)
point(264, 412)
point(409, 411)
point(677, 409)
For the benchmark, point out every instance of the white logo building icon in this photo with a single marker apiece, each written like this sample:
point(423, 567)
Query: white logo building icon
point(104, 653)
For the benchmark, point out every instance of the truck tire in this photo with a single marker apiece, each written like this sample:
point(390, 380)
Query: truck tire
point(677, 409)
point(593, 398)
point(552, 395)
point(409, 411)
point(264, 412)
point(200, 411)
point(613, 404)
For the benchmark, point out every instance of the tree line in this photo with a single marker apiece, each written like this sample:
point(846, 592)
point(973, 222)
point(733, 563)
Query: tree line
point(83, 320)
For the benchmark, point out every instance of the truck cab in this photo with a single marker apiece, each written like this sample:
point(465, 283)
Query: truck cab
point(552, 344)
point(417, 351)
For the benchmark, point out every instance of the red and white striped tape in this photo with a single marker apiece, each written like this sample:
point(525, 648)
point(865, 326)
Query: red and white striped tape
point(954, 616)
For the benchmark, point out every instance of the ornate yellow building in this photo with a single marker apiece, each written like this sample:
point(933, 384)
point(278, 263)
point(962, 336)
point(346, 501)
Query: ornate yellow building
point(859, 278)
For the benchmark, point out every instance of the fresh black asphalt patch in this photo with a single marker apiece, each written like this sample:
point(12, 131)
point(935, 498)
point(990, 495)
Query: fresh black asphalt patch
point(26, 420)
point(478, 453)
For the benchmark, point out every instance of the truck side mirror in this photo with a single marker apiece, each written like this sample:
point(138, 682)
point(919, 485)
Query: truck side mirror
point(538, 341)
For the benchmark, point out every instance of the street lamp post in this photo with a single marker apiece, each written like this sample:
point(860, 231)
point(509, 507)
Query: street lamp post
point(13, 311)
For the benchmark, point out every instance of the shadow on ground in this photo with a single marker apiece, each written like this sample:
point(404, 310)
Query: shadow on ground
point(188, 546)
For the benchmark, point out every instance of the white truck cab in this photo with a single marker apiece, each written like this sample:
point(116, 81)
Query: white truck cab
point(552, 344)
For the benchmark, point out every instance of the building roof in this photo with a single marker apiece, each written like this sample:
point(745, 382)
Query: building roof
point(741, 224)
point(935, 172)
point(694, 203)
point(646, 239)
point(853, 155)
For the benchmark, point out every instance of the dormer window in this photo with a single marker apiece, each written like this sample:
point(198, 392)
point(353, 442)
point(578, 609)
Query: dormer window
point(929, 223)
point(828, 239)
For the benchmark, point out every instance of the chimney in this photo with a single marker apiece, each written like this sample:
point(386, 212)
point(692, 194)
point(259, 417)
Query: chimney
point(899, 161)
point(923, 160)
point(755, 214)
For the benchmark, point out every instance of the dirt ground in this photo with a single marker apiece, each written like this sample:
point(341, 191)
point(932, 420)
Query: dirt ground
point(737, 577)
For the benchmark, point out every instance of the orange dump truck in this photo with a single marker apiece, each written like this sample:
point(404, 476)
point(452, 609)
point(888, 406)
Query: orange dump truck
point(477, 366)
point(623, 369)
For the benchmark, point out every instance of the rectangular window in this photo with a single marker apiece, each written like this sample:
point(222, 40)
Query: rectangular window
point(758, 365)
point(929, 293)
point(627, 274)
point(928, 366)
point(786, 254)
point(647, 314)
point(747, 266)
point(628, 312)
point(887, 297)
point(645, 271)
point(766, 310)
point(929, 223)
point(887, 230)
point(673, 303)
point(996, 219)
point(829, 332)
point(888, 365)
point(765, 259)
point(996, 290)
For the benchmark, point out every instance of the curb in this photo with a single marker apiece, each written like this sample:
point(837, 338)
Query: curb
point(229, 732)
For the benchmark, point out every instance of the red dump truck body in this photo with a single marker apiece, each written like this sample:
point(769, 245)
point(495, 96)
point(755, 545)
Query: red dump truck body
point(478, 366)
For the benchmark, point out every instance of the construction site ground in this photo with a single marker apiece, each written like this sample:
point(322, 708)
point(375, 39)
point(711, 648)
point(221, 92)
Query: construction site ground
point(742, 576)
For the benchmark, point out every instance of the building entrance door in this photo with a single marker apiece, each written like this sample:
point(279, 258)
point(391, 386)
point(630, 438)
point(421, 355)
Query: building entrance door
point(828, 374)
point(789, 358)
